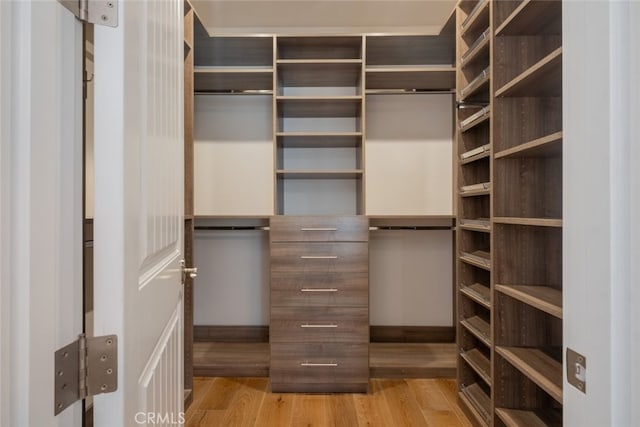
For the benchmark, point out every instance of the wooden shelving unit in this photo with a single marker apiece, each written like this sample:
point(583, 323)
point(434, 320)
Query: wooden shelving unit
point(318, 139)
point(509, 56)
point(527, 213)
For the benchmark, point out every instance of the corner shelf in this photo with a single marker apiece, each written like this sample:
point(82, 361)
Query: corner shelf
point(544, 298)
point(479, 363)
point(544, 78)
point(537, 366)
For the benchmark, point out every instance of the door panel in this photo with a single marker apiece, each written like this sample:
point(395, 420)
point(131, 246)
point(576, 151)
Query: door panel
point(139, 206)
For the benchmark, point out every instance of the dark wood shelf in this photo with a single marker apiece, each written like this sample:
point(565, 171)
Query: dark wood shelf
point(411, 77)
point(534, 222)
point(318, 139)
point(478, 50)
point(478, 328)
point(478, 19)
point(212, 79)
point(477, 292)
point(478, 402)
point(319, 73)
point(531, 418)
point(544, 78)
point(533, 17)
point(476, 154)
point(481, 259)
point(475, 119)
point(476, 86)
point(479, 363)
point(546, 146)
point(534, 364)
point(543, 298)
point(483, 226)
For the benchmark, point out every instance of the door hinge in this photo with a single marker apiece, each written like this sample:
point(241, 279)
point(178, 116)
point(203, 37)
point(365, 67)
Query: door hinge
point(86, 367)
point(98, 12)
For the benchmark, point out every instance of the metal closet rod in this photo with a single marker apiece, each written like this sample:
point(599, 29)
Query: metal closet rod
point(230, 227)
point(408, 91)
point(410, 227)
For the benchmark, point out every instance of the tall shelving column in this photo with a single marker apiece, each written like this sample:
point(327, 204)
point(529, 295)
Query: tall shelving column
point(474, 304)
point(318, 119)
point(527, 212)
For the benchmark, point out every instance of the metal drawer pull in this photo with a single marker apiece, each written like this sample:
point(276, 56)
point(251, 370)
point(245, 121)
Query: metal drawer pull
point(319, 257)
point(318, 229)
point(330, 325)
point(319, 290)
point(332, 365)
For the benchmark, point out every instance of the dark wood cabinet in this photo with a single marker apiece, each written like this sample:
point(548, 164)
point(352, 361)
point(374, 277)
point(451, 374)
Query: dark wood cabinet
point(319, 326)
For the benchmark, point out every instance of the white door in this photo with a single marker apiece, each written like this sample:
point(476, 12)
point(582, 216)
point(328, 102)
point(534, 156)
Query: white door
point(41, 209)
point(138, 217)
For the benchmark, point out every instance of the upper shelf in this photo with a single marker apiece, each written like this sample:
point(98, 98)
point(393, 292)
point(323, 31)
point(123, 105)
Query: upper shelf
point(319, 72)
point(426, 51)
point(544, 78)
point(319, 47)
point(478, 49)
point(547, 146)
point(318, 139)
point(533, 17)
point(411, 77)
point(250, 51)
point(479, 85)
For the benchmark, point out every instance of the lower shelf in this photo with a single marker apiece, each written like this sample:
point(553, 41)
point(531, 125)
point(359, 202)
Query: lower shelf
point(478, 403)
point(518, 417)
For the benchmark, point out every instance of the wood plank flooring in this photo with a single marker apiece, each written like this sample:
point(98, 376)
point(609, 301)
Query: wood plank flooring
point(247, 401)
point(387, 360)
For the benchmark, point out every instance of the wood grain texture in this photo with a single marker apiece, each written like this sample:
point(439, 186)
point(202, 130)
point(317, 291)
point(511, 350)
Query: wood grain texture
point(389, 403)
point(301, 258)
point(310, 229)
point(319, 47)
point(231, 334)
point(320, 324)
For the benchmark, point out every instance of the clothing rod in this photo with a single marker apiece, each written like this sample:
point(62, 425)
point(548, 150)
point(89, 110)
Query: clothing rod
point(412, 228)
point(235, 92)
point(408, 92)
point(230, 227)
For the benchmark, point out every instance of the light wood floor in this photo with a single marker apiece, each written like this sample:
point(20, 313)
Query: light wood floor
point(389, 403)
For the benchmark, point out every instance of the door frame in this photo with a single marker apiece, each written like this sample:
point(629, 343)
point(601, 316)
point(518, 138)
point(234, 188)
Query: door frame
point(41, 195)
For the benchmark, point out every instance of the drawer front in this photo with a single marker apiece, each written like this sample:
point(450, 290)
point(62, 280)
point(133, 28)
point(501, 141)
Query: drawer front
point(319, 324)
point(320, 289)
point(319, 229)
point(319, 363)
point(322, 258)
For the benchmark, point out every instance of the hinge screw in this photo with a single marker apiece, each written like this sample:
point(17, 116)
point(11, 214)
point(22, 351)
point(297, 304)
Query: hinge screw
point(104, 18)
point(110, 4)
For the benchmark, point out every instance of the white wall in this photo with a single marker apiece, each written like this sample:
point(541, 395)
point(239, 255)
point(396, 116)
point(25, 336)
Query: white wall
point(601, 208)
point(232, 287)
point(408, 152)
point(411, 278)
point(5, 146)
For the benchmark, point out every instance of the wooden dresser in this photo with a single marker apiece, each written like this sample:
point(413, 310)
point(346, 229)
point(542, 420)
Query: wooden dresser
point(319, 328)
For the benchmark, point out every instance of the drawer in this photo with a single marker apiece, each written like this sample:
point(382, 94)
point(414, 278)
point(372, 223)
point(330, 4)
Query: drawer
point(319, 289)
point(320, 257)
point(318, 363)
point(319, 324)
point(319, 229)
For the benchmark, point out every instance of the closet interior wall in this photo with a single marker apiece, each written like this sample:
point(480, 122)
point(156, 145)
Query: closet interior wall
point(325, 125)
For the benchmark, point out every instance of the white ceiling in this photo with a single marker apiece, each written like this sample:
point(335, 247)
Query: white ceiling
point(246, 17)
